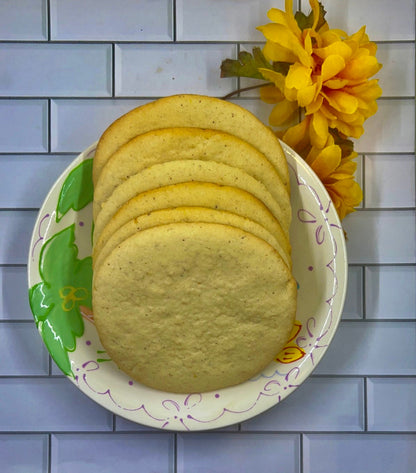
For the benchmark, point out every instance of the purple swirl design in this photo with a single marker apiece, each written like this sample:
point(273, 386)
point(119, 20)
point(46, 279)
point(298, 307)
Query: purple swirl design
point(200, 411)
point(39, 235)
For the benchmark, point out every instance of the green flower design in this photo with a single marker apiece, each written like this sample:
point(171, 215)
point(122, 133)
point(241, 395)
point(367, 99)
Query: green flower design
point(55, 302)
point(77, 190)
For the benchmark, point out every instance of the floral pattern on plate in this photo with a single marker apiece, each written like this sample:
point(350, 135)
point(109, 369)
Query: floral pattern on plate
point(60, 274)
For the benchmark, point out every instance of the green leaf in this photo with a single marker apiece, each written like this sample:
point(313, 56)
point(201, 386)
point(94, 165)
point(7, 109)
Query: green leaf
point(54, 345)
point(55, 301)
point(304, 21)
point(77, 190)
point(246, 65)
point(346, 145)
point(282, 67)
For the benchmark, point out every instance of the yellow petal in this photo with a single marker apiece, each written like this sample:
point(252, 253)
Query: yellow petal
point(368, 91)
point(307, 43)
point(277, 78)
point(298, 76)
point(297, 327)
point(271, 94)
point(328, 112)
point(339, 48)
point(346, 129)
point(332, 36)
point(371, 47)
point(290, 354)
point(278, 16)
point(359, 36)
point(293, 24)
point(318, 130)
point(346, 194)
point(341, 101)
point(314, 106)
point(279, 34)
point(275, 52)
point(327, 161)
point(331, 66)
point(297, 136)
point(316, 11)
point(282, 113)
point(336, 83)
point(361, 68)
point(306, 95)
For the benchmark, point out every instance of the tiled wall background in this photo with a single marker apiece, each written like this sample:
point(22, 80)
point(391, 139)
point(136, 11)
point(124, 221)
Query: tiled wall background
point(70, 67)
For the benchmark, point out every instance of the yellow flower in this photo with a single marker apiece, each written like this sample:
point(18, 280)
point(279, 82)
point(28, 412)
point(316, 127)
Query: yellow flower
point(336, 170)
point(328, 76)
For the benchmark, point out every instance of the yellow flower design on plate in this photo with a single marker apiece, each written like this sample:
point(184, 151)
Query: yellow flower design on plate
point(292, 352)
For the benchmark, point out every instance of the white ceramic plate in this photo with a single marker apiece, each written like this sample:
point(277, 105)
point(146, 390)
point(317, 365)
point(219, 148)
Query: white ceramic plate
point(59, 273)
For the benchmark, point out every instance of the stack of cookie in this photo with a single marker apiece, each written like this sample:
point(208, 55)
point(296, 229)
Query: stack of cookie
point(192, 288)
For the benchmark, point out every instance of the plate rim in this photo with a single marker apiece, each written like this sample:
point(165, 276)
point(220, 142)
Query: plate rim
point(303, 376)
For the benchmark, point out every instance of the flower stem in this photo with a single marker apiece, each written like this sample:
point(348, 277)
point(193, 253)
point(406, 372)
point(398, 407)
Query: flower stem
point(245, 89)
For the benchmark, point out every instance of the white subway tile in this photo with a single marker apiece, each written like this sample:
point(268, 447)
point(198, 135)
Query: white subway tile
point(391, 129)
point(154, 69)
point(23, 20)
point(390, 292)
point(99, 453)
point(49, 404)
point(359, 453)
point(385, 20)
point(391, 404)
point(228, 453)
point(381, 236)
point(397, 76)
point(14, 302)
point(318, 404)
point(225, 20)
point(76, 124)
point(353, 307)
point(21, 350)
point(390, 180)
point(371, 348)
point(23, 126)
point(105, 20)
point(29, 178)
point(55, 69)
point(15, 232)
point(34, 459)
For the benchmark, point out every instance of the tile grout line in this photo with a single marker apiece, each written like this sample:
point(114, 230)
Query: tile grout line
point(363, 180)
point(49, 458)
point(175, 453)
point(301, 460)
point(113, 70)
point(365, 413)
point(48, 20)
point(364, 302)
point(49, 127)
point(174, 19)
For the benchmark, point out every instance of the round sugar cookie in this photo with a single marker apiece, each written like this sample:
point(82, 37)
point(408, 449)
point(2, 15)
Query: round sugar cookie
point(175, 172)
point(191, 215)
point(171, 144)
point(194, 194)
point(190, 110)
point(193, 307)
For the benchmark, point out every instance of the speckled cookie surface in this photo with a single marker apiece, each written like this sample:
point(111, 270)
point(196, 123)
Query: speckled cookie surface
point(191, 215)
point(191, 111)
point(193, 307)
point(192, 194)
point(179, 171)
point(171, 144)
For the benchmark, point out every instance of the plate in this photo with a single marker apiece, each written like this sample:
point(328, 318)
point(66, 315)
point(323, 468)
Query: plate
point(60, 272)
